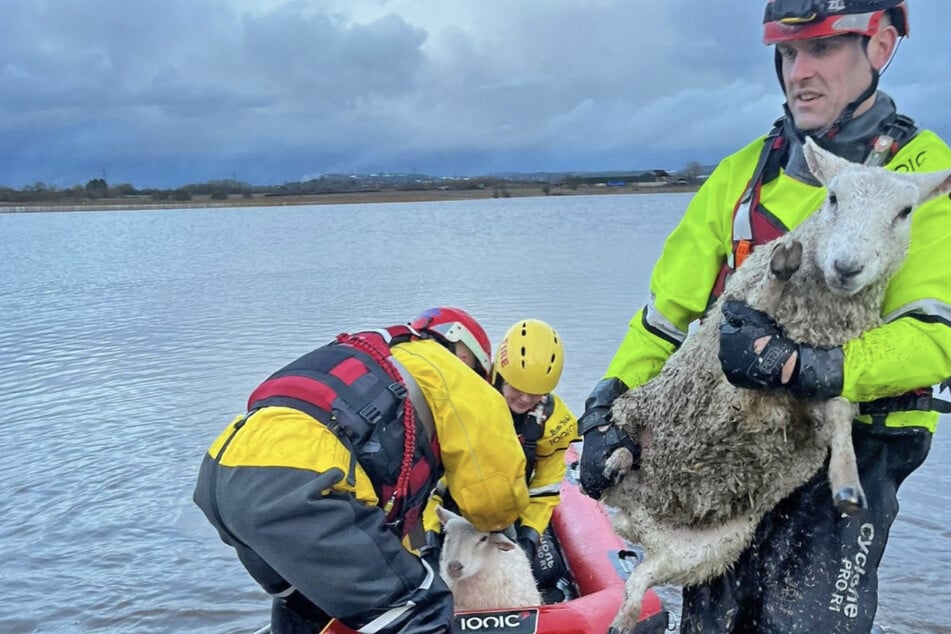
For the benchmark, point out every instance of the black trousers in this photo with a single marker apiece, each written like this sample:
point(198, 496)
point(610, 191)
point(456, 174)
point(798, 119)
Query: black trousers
point(810, 569)
point(338, 553)
point(296, 614)
point(548, 565)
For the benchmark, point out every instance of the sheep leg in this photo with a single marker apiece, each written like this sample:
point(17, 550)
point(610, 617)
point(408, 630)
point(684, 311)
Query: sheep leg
point(835, 417)
point(785, 260)
point(683, 556)
point(643, 577)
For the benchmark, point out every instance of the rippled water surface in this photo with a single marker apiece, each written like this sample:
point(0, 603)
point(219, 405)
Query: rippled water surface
point(129, 339)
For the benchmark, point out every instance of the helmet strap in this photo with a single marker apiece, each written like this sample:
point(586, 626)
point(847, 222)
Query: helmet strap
point(778, 63)
point(850, 109)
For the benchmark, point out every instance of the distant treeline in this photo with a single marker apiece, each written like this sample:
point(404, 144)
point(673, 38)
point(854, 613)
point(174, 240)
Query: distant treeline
point(98, 188)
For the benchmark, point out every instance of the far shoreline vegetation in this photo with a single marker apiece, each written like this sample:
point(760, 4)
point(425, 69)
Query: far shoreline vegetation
point(98, 195)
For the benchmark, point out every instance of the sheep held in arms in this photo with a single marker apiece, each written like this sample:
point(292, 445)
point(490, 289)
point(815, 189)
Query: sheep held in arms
point(716, 458)
point(484, 571)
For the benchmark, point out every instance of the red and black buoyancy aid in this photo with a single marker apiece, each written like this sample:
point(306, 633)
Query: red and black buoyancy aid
point(754, 225)
point(357, 389)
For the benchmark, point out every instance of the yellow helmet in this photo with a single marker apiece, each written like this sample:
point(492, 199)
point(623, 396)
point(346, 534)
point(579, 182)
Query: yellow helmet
point(530, 357)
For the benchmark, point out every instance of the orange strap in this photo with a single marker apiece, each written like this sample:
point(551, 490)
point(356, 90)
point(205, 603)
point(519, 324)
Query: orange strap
point(742, 250)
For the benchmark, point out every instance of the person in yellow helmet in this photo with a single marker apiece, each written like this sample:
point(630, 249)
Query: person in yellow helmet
point(807, 570)
point(527, 367)
point(321, 482)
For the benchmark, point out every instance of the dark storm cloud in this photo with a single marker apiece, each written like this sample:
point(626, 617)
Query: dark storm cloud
point(98, 85)
point(170, 92)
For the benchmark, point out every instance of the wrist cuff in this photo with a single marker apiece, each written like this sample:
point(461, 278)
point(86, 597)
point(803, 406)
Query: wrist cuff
point(820, 373)
point(604, 393)
point(526, 533)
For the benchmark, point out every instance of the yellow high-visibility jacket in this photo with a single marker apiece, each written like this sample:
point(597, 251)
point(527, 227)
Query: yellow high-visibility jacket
point(912, 350)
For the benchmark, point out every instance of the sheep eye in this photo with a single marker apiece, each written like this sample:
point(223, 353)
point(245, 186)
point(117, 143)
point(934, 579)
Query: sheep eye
point(833, 200)
point(484, 539)
point(904, 213)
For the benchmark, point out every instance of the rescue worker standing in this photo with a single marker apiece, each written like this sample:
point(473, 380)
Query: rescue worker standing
point(828, 58)
point(329, 470)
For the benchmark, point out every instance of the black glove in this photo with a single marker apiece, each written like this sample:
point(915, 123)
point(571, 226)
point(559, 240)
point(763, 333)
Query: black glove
point(431, 549)
point(598, 444)
point(528, 540)
point(818, 371)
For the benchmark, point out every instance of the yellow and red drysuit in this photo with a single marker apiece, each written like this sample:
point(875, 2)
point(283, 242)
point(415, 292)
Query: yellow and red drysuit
point(545, 432)
point(305, 488)
point(791, 578)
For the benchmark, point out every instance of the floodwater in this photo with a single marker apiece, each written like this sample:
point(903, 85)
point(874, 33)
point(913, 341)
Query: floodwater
point(128, 340)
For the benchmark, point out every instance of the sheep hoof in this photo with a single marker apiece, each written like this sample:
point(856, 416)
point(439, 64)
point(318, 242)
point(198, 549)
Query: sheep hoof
point(786, 260)
point(850, 500)
point(618, 464)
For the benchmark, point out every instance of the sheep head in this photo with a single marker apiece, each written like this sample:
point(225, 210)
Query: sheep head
point(466, 549)
point(866, 218)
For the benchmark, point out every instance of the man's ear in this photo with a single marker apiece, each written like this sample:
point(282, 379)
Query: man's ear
point(881, 46)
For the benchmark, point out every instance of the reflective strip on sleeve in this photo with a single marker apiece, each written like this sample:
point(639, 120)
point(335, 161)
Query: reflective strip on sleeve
point(285, 593)
point(655, 321)
point(930, 310)
point(395, 614)
point(545, 491)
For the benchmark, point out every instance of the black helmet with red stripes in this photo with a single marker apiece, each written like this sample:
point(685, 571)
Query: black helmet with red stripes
point(787, 20)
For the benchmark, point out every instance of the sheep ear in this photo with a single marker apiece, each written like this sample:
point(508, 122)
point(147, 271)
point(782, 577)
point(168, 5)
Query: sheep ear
point(931, 184)
point(444, 514)
point(823, 164)
point(501, 541)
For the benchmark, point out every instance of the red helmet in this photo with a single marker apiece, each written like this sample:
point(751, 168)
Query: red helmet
point(457, 326)
point(788, 20)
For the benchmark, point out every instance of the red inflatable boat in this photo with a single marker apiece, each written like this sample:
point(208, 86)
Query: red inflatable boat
point(598, 562)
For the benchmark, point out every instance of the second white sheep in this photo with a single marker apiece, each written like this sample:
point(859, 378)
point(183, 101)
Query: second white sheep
point(485, 571)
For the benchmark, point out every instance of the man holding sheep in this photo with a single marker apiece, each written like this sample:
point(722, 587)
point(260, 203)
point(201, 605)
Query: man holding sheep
point(829, 54)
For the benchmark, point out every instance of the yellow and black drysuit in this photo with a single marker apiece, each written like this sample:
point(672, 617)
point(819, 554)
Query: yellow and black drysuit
point(319, 483)
point(808, 569)
point(545, 432)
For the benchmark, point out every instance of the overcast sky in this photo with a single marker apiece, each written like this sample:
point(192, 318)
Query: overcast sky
point(161, 93)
